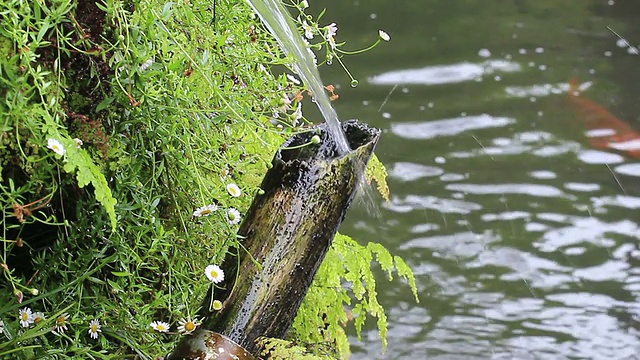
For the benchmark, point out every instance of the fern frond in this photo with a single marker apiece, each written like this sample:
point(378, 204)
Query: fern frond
point(378, 173)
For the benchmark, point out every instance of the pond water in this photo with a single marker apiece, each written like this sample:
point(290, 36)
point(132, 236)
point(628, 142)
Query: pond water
point(522, 231)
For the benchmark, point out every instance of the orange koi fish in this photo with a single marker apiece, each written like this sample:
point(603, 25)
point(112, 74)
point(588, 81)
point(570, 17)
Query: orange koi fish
point(605, 130)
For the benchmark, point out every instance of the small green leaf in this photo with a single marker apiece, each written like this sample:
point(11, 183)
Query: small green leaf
point(105, 103)
point(94, 279)
point(121, 273)
point(114, 285)
point(405, 272)
point(167, 10)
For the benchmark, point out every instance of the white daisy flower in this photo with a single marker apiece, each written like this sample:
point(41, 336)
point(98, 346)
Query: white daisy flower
point(160, 326)
point(56, 146)
point(38, 317)
point(332, 29)
point(234, 190)
point(214, 273)
point(94, 328)
point(308, 30)
point(205, 210)
point(187, 326)
point(233, 216)
point(25, 316)
point(61, 323)
point(330, 33)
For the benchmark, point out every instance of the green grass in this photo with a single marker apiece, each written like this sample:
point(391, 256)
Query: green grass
point(158, 106)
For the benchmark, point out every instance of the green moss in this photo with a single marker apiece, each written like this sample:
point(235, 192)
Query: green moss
point(169, 109)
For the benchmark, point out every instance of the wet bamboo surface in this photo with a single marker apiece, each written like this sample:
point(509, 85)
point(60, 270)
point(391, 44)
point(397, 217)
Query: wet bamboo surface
point(286, 234)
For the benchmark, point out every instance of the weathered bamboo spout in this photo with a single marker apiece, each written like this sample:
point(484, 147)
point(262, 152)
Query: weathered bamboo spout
point(287, 232)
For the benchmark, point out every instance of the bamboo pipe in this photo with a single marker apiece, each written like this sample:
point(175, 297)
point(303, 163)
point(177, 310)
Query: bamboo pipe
point(286, 234)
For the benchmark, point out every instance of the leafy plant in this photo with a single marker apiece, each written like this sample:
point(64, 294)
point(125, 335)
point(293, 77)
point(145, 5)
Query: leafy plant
point(122, 123)
point(344, 291)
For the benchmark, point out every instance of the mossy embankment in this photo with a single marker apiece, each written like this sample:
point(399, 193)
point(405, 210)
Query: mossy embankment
point(123, 125)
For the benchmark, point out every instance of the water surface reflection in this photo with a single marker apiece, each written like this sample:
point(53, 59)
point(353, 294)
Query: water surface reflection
point(523, 237)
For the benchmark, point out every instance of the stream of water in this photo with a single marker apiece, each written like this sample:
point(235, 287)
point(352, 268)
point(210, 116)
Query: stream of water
point(277, 19)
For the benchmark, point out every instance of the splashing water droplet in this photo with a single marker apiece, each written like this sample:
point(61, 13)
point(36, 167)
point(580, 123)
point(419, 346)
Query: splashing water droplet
point(354, 83)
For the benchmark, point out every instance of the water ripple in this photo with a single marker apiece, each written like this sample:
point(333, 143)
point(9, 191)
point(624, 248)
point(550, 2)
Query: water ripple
point(599, 157)
point(443, 205)
point(448, 127)
point(407, 171)
point(628, 202)
point(537, 90)
point(585, 300)
point(535, 190)
point(582, 187)
point(514, 309)
point(523, 264)
point(465, 245)
point(507, 215)
point(444, 74)
point(593, 333)
point(628, 169)
point(587, 230)
point(612, 270)
point(539, 143)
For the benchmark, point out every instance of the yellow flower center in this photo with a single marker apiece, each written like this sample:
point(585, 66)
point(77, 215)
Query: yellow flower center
point(217, 305)
point(24, 316)
point(38, 319)
point(161, 327)
point(60, 320)
point(94, 328)
point(214, 274)
point(206, 212)
point(189, 326)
